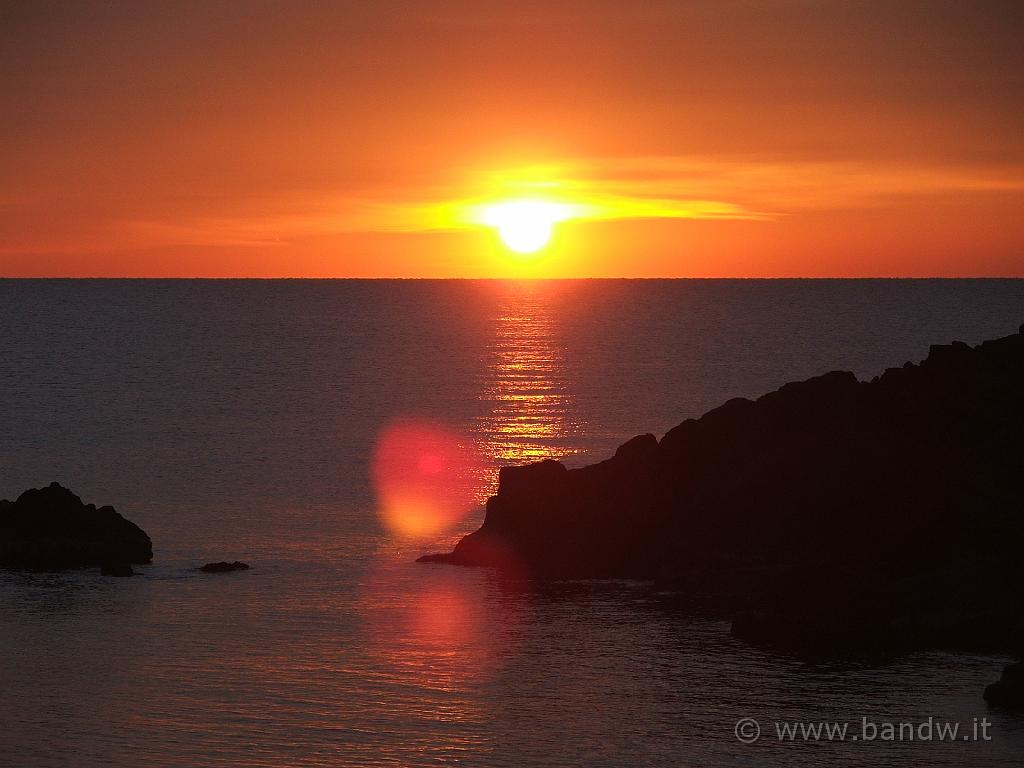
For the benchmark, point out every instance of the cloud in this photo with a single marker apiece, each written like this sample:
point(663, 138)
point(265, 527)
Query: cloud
point(605, 189)
point(601, 189)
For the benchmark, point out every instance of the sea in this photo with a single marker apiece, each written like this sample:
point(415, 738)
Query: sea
point(245, 419)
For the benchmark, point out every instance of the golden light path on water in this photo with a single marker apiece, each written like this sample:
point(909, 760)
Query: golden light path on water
point(428, 476)
point(533, 410)
point(448, 630)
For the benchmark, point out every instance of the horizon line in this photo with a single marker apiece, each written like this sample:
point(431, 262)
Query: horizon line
point(509, 279)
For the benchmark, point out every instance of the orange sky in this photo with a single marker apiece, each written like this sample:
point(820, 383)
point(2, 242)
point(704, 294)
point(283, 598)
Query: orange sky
point(724, 138)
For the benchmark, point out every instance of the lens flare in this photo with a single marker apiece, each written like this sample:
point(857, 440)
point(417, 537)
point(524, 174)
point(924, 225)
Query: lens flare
point(425, 477)
point(440, 628)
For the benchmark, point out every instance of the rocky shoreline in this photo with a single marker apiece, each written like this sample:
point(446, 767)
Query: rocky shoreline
point(49, 529)
point(830, 516)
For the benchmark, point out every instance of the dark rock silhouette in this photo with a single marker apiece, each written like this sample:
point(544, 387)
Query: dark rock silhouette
point(831, 514)
point(224, 567)
point(1008, 690)
point(51, 529)
point(117, 569)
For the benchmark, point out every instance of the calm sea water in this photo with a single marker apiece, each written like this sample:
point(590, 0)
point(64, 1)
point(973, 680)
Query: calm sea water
point(236, 419)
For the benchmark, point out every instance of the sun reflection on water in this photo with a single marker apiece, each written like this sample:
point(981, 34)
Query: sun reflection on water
point(428, 476)
point(532, 412)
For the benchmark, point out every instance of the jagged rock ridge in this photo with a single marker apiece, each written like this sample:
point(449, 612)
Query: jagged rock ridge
point(51, 529)
point(880, 487)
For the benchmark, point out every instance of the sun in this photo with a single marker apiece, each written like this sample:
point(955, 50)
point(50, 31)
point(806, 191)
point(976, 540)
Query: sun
point(525, 226)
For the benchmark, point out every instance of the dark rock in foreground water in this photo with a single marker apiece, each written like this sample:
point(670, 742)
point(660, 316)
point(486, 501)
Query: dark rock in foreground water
point(829, 515)
point(1008, 690)
point(50, 528)
point(224, 567)
point(117, 569)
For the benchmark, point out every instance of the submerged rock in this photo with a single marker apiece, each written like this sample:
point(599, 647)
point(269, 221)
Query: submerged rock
point(224, 567)
point(50, 528)
point(1008, 690)
point(826, 512)
point(117, 569)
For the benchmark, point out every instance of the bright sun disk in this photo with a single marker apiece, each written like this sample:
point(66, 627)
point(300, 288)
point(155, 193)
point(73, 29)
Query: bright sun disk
point(524, 226)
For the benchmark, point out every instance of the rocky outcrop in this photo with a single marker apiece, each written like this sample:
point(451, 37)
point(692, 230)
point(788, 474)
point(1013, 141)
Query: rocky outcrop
point(224, 567)
point(829, 512)
point(51, 529)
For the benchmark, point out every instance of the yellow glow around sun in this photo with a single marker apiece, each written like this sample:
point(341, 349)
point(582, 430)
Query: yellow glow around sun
point(525, 226)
